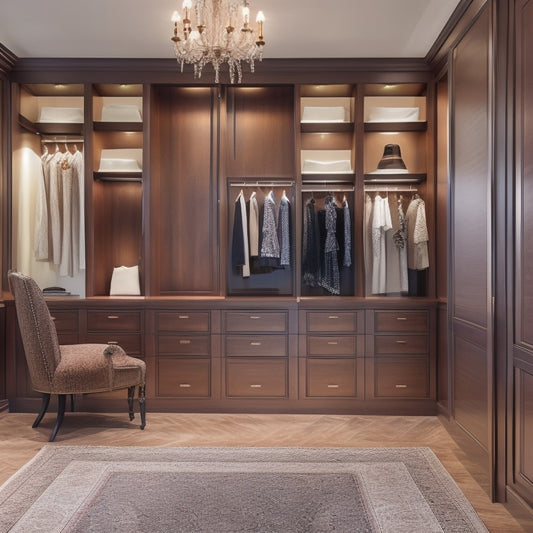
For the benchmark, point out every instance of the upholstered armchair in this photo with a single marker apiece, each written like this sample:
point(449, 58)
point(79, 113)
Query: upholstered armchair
point(69, 369)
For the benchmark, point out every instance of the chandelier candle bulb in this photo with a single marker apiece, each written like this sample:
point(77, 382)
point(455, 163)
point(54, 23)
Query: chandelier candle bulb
point(214, 40)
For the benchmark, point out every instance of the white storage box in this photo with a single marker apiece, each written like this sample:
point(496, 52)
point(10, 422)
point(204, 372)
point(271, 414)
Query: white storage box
point(323, 114)
point(121, 160)
point(394, 114)
point(121, 113)
point(61, 114)
point(324, 167)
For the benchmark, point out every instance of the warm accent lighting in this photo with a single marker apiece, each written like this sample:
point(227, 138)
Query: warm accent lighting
point(206, 33)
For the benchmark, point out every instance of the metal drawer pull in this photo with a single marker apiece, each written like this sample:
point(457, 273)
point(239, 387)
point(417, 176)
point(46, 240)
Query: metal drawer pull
point(333, 317)
point(255, 344)
point(112, 342)
point(183, 317)
point(185, 341)
point(184, 385)
point(333, 386)
point(401, 342)
point(401, 318)
point(112, 317)
point(254, 317)
point(333, 342)
point(401, 386)
point(256, 386)
point(52, 317)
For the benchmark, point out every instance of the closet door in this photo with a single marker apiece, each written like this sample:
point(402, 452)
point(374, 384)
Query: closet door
point(182, 201)
point(521, 478)
point(470, 316)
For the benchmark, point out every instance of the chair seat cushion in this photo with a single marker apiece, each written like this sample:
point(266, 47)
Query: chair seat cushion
point(86, 368)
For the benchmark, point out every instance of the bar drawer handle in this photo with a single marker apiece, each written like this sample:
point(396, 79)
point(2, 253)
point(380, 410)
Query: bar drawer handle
point(52, 317)
point(184, 385)
point(185, 341)
point(255, 344)
point(401, 342)
point(256, 386)
point(183, 317)
point(401, 318)
point(254, 317)
point(401, 386)
point(333, 386)
point(333, 343)
point(112, 342)
point(112, 317)
point(333, 317)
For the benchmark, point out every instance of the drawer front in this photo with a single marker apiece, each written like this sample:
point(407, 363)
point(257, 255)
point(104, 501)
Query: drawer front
point(401, 378)
point(327, 377)
point(194, 322)
point(114, 321)
point(273, 322)
point(256, 378)
point(130, 342)
point(183, 345)
point(342, 322)
point(65, 320)
point(321, 345)
point(401, 321)
point(400, 344)
point(184, 377)
point(68, 338)
point(256, 345)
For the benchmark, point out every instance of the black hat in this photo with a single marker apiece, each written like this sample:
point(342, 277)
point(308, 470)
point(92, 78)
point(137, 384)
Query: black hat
point(392, 158)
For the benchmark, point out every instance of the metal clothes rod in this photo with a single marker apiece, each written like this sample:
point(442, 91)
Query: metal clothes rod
point(327, 190)
point(263, 184)
point(390, 189)
point(69, 140)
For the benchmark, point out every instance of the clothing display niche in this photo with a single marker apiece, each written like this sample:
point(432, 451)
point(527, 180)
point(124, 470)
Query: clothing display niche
point(59, 235)
point(261, 239)
point(327, 245)
point(396, 244)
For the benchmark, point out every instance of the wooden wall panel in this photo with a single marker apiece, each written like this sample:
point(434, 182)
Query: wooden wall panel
point(184, 215)
point(260, 132)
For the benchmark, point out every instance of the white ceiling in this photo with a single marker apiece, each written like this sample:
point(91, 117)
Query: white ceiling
point(293, 28)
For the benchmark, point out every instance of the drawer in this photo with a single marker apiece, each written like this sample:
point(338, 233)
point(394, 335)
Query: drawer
point(256, 377)
point(321, 345)
point(268, 321)
point(114, 321)
point(401, 321)
point(183, 345)
point(342, 322)
point(183, 377)
point(130, 342)
point(400, 344)
point(405, 378)
point(327, 377)
point(65, 320)
point(68, 338)
point(195, 322)
point(256, 345)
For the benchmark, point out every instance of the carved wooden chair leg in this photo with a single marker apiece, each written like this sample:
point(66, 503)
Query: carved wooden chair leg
point(131, 392)
point(44, 406)
point(142, 405)
point(61, 400)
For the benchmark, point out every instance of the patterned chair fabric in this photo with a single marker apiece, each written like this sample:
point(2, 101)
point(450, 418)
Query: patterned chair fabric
point(69, 369)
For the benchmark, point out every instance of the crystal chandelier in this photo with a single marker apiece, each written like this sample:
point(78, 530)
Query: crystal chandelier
point(207, 33)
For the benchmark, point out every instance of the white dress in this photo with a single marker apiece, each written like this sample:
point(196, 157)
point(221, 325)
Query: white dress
point(381, 223)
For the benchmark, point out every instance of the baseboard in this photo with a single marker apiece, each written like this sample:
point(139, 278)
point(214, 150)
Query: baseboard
point(4, 405)
point(519, 508)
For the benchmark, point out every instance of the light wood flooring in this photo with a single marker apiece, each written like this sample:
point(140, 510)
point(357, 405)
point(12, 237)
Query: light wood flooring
point(19, 442)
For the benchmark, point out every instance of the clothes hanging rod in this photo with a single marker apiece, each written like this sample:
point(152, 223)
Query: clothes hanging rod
point(385, 188)
point(68, 140)
point(328, 190)
point(263, 184)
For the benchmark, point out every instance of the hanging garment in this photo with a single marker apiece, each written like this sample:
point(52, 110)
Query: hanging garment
point(78, 200)
point(381, 223)
point(42, 211)
point(269, 241)
point(56, 207)
point(330, 279)
point(417, 235)
point(392, 251)
point(367, 237)
point(347, 219)
point(66, 263)
point(240, 251)
point(284, 231)
point(311, 269)
point(253, 222)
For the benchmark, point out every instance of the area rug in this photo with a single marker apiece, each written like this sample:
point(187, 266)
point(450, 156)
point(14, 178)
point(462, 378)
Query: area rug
point(163, 490)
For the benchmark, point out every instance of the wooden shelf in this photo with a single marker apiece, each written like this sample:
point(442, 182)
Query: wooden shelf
point(51, 128)
point(118, 176)
point(396, 126)
point(117, 126)
point(395, 178)
point(326, 127)
point(341, 177)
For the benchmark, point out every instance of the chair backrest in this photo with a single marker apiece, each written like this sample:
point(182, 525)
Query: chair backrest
point(38, 331)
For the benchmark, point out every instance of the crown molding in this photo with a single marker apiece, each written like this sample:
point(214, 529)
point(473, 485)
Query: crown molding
point(7, 59)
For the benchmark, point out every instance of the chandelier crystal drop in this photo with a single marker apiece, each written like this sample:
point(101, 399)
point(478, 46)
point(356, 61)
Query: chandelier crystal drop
point(217, 32)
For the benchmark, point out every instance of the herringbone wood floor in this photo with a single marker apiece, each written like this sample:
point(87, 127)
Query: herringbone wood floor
point(19, 442)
